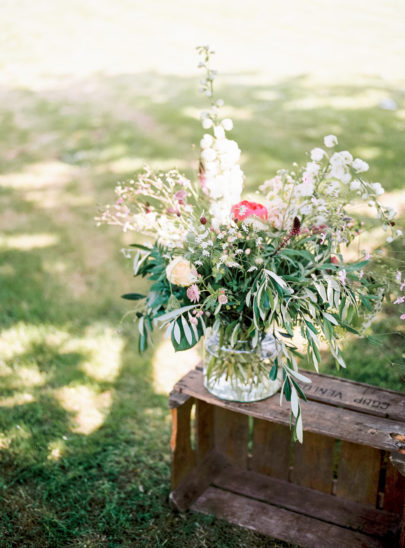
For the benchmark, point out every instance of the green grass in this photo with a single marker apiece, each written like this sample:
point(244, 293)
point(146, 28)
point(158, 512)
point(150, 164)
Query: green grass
point(84, 426)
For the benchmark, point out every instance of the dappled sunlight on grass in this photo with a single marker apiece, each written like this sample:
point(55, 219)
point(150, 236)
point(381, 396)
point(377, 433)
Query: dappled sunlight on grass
point(17, 399)
point(25, 242)
point(88, 407)
point(104, 347)
point(169, 366)
point(56, 449)
point(40, 175)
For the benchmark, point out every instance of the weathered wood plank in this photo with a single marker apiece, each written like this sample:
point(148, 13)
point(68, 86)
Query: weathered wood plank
point(394, 492)
point(313, 462)
point(302, 500)
point(183, 456)
point(204, 429)
point(355, 395)
point(278, 522)
point(358, 473)
point(320, 418)
point(271, 449)
point(197, 481)
point(232, 436)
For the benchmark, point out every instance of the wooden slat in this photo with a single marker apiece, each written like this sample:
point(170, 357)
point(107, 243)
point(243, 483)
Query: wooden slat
point(358, 473)
point(197, 481)
point(278, 522)
point(313, 462)
point(394, 492)
point(302, 500)
point(320, 418)
point(355, 395)
point(271, 449)
point(232, 436)
point(183, 456)
point(204, 429)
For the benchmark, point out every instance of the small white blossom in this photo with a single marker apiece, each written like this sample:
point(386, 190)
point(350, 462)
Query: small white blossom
point(355, 185)
point(330, 141)
point(207, 123)
point(219, 132)
point(227, 124)
point(377, 188)
point(360, 166)
point(317, 154)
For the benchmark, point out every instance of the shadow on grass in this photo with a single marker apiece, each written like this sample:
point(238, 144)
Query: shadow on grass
point(60, 152)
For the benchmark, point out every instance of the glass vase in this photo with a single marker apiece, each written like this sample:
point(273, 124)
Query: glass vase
point(239, 372)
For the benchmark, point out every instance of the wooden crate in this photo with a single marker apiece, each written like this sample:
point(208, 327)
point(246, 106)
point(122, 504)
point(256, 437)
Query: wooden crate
point(341, 488)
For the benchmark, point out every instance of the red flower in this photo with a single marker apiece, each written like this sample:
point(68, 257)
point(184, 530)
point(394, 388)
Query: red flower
point(246, 209)
point(334, 260)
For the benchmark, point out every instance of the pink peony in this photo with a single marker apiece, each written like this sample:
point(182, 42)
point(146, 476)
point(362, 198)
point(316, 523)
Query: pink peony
point(193, 293)
point(246, 209)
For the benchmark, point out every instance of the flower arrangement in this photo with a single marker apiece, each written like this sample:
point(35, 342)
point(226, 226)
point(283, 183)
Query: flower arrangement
point(246, 269)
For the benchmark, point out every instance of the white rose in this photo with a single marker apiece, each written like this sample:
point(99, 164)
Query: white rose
point(227, 124)
point(180, 272)
point(330, 141)
point(360, 166)
point(317, 154)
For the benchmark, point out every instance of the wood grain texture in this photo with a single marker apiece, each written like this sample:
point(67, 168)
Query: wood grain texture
point(280, 523)
point(306, 501)
point(232, 436)
point(204, 429)
point(394, 492)
point(271, 449)
point(320, 418)
point(355, 395)
point(183, 456)
point(358, 473)
point(197, 481)
point(313, 462)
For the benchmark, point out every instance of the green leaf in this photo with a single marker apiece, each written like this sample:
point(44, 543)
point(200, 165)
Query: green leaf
point(187, 330)
point(273, 372)
point(287, 389)
point(133, 296)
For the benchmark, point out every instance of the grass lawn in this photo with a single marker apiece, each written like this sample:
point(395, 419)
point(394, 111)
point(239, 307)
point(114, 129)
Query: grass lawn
point(84, 422)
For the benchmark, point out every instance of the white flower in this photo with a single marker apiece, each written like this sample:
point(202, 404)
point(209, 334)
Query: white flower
point(330, 141)
point(306, 209)
point(305, 189)
point(220, 102)
point(219, 132)
point(359, 165)
point(206, 141)
point(355, 185)
point(346, 156)
point(208, 155)
point(378, 189)
point(227, 124)
point(207, 123)
point(399, 233)
point(317, 154)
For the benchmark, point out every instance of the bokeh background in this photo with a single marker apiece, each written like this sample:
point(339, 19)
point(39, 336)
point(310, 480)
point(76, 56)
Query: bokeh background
point(90, 90)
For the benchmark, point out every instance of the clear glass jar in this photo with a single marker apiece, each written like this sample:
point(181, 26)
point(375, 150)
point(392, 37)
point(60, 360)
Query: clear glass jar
point(240, 373)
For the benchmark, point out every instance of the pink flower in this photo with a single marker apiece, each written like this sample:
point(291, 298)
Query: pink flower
point(400, 300)
point(402, 317)
point(334, 260)
point(246, 209)
point(193, 320)
point(367, 257)
point(398, 276)
point(222, 299)
point(361, 274)
point(193, 293)
point(181, 195)
point(342, 276)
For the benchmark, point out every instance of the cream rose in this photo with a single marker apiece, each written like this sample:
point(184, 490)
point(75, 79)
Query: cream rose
point(180, 272)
